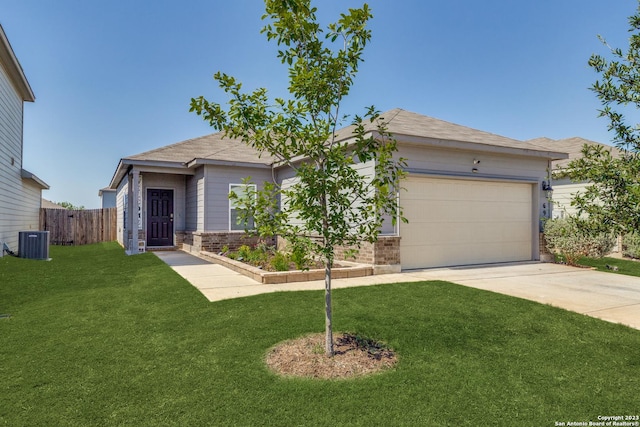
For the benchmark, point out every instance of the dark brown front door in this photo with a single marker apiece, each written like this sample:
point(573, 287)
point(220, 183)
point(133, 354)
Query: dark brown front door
point(159, 217)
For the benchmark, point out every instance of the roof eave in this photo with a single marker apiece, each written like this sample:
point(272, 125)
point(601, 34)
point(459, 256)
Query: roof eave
point(478, 146)
point(200, 162)
point(125, 164)
point(25, 174)
point(14, 69)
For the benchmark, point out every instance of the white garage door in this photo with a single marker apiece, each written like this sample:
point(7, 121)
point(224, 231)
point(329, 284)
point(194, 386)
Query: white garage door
point(463, 222)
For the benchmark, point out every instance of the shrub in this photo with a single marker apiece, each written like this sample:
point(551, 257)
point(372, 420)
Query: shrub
point(567, 238)
point(631, 245)
point(243, 253)
point(301, 253)
point(280, 262)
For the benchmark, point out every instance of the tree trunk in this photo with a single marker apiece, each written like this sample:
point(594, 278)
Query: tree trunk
point(328, 260)
point(328, 338)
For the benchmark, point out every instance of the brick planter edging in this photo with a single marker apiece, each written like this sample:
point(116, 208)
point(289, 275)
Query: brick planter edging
point(274, 277)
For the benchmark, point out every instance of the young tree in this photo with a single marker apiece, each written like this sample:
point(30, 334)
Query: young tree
point(71, 206)
point(328, 203)
point(612, 201)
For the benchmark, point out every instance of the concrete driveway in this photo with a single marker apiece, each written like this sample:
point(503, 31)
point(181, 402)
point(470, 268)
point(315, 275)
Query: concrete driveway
point(607, 296)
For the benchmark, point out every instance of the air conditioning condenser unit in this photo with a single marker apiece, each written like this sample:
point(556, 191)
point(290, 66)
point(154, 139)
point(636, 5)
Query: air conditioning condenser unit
point(33, 244)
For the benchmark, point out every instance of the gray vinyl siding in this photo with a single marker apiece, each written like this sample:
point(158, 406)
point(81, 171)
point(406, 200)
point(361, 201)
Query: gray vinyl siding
point(462, 162)
point(121, 195)
point(108, 199)
point(287, 177)
point(216, 192)
point(21, 214)
point(19, 200)
point(195, 201)
point(10, 124)
point(563, 193)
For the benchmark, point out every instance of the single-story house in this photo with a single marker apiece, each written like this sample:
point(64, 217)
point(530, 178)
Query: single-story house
point(564, 189)
point(470, 196)
point(20, 190)
point(48, 204)
point(107, 198)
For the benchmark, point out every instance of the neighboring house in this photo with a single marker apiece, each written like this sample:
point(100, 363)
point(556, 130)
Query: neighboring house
point(20, 190)
point(48, 204)
point(108, 198)
point(471, 197)
point(564, 189)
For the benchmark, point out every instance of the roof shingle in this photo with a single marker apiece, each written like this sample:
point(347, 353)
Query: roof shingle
point(211, 147)
point(399, 122)
point(572, 146)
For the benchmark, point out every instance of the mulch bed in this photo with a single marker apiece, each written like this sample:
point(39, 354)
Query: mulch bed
point(354, 356)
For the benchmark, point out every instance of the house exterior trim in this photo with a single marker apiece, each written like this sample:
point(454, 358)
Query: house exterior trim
point(200, 162)
point(14, 69)
point(29, 176)
point(476, 146)
point(473, 176)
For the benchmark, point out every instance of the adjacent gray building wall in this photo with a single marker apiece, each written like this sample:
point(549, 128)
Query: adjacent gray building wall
point(122, 204)
point(563, 193)
point(195, 201)
point(20, 198)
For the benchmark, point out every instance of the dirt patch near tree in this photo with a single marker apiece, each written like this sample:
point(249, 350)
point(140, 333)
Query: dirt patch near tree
point(354, 356)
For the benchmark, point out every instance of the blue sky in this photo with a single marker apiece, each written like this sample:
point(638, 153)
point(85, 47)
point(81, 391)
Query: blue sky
point(115, 78)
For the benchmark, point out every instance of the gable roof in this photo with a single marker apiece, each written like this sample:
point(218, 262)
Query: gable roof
point(405, 126)
point(48, 204)
point(208, 147)
point(14, 70)
point(572, 146)
point(408, 126)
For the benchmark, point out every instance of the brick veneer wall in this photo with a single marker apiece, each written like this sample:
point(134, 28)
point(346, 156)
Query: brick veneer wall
point(365, 255)
point(215, 241)
point(385, 251)
point(179, 238)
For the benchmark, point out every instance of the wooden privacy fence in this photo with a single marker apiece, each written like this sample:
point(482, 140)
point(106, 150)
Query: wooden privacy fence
point(79, 227)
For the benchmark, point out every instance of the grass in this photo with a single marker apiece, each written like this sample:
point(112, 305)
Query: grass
point(625, 266)
point(98, 338)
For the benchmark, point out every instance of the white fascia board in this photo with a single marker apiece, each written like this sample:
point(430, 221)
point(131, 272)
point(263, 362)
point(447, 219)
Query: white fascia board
point(201, 162)
point(477, 146)
point(155, 166)
point(25, 174)
point(14, 69)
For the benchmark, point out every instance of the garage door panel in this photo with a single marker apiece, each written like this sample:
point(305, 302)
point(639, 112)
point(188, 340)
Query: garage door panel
point(455, 211)
point(515, 231)
point(466, 233)
point(508, 211)
point(458, 222)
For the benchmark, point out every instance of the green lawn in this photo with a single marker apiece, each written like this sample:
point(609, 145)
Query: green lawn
point(625, 266)
point(98, 338)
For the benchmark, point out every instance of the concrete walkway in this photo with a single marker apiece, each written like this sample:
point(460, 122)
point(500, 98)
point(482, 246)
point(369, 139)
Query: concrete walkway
point(607, 296)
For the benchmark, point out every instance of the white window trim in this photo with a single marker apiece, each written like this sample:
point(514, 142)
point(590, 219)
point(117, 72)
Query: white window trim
point(233, 207)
